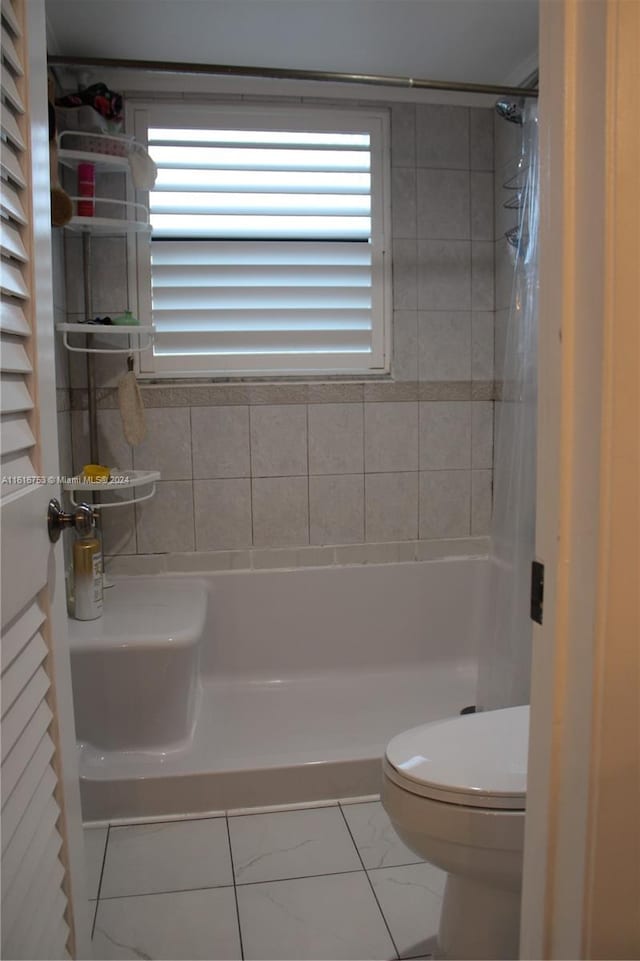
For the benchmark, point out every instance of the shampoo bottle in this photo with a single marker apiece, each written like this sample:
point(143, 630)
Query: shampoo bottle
point(87, 578)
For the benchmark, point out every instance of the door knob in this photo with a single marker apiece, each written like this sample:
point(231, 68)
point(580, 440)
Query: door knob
point(82, 519)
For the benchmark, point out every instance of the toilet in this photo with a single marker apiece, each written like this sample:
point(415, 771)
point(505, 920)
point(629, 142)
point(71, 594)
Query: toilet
point(455, 791)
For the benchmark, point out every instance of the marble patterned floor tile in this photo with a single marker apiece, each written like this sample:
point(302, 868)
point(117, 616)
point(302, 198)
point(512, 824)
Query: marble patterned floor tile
point(167, 856)
point(184, 926)
point(411, 899)
point(291, 844)
point(94, 844)
point(375, 837)
point(330, 917)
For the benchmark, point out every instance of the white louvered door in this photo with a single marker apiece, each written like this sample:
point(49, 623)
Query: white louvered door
point(41, 836)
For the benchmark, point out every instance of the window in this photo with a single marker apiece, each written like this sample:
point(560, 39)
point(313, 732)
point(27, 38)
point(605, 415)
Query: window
point(268, 247)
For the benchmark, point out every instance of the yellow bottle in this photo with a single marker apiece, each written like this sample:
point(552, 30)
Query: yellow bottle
point(87, 578)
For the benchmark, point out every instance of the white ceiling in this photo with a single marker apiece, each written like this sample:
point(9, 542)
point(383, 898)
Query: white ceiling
point(477, 41)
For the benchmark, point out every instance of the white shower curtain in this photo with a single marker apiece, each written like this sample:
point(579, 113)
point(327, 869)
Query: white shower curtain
point(505, 659)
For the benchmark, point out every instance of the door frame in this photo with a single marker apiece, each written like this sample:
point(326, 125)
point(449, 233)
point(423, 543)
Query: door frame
point(46, 431)
point(582, 847)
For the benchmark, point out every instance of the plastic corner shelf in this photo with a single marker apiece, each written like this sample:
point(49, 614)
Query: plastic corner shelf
point(121, 480)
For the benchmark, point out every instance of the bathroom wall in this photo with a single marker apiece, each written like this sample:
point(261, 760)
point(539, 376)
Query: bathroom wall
point(396, 460)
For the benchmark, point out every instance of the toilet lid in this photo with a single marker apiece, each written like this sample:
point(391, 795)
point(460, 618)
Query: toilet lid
point(478, 760)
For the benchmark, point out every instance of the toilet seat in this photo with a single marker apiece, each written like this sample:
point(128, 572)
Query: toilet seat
point(477, 760)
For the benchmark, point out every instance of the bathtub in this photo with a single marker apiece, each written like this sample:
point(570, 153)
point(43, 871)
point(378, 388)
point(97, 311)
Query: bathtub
point(237, 689)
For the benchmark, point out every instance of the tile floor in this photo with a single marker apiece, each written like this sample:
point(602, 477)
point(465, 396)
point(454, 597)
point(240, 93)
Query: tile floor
point(315, 883)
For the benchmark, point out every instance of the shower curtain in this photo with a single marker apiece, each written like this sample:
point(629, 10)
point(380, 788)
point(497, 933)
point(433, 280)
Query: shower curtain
point(505, 659)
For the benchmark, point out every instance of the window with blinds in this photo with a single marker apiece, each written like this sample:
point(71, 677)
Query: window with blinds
point(268, 244)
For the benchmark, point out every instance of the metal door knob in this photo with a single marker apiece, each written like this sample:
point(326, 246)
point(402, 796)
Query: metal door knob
point(82, 519)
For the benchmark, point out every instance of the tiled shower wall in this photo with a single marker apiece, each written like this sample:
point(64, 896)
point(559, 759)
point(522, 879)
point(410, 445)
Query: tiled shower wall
point(290, 464)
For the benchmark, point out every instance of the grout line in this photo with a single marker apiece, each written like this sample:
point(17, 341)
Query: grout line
point(193, 483)
point(306, 407)
point(235, 890)
point(395, 946)
point(251, 884)
point(104, 861)
point(250, 445)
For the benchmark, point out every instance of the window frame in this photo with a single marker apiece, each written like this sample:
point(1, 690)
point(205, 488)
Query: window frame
point(142, 114)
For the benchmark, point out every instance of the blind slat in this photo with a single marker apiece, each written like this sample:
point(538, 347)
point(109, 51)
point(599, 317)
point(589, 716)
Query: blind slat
point(254, 181)
point(259, 275)
point(272, 204)
point(256, 158)
point(229, 298)
point(274, 253)
point(250, 226)
point(207, 320)
point(270, 341)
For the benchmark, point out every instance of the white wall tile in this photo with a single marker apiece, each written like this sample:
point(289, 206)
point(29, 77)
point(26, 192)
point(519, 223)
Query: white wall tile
point(220, 441)
point(113, 448)
point(482, 280)
point(482, 333)
point(403, 135)
point(405, 345)
point(443, 204)
point(336, 509)
point(403, 202)
point(444, 275)
point(278, 440)
point(445, 503)
point(405, 274)
point(482, 207)
point(119, 528)
point(109, 368)
point(481, 136)
point(164, 524)
point(391, 506)
point(336, 439)
point(482, 434)
point(280, 511)
point(481, 501)
point(167, 445)
point(445, 435)
point(222, 513)
point(442, 136)
point(444, 345)
point(390, 437)
point(504, 261)
point(65, 447)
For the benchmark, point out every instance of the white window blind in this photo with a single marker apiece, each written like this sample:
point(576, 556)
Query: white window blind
point(267, 252)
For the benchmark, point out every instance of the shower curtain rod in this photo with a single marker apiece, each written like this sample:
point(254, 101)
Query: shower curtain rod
point(276, 73)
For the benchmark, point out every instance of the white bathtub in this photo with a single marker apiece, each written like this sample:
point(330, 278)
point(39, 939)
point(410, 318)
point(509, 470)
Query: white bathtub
point(298, 680)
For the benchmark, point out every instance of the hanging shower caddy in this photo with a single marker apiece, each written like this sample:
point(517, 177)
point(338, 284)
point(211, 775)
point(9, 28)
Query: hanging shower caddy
point(111, 218)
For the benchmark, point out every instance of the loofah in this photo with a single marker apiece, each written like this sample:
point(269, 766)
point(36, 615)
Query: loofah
point(131, 409)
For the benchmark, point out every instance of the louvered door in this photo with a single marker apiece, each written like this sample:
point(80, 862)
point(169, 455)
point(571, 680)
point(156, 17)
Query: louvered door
point(38, 793)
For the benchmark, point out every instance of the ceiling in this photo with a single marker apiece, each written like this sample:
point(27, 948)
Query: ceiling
point(474, 41)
